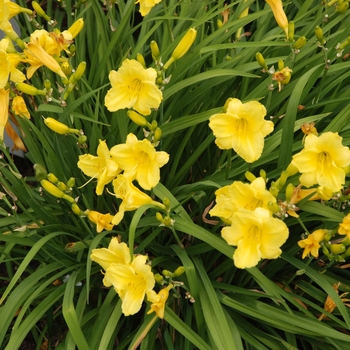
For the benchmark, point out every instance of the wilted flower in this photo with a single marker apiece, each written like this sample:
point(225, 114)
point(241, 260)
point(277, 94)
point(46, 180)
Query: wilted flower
point(19, 107)
point(158, 300)
point(103, 167)
point(279, 14)
point(140, 160)
point(4, 110)
point(133, 86)
point(242, 128)
point(322, 161)
point(257, 235)
point(311, 244)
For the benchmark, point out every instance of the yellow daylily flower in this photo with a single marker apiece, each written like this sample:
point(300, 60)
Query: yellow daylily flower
point(103, 221)
point(140, 160)
point(279, 14)
point(257, 235)
point(8, 10)
point(19, 107)
point(242, 128)
point(344, 227)
point(241, 195)
point(146, 6)
point(4, 110)
point(132, 197)
point(101, 167)
point(116, 253)
point(158, 300)
point(132, 282)
point(133, 86)
point(322, 161)
point(311, 244)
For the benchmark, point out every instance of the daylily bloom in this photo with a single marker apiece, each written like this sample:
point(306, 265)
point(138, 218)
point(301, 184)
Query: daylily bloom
point(132, 197)
point(4, 110)
point(8, 63)
point(158, 300)
point(133, 86)
point(146, 6)
point(311, 244)
point(19, 107)
point(279, 14)
point(116, 253)
point(239, 195)
point(242, 128)
point(103, 167)
point(140, 160)
point(344, 227)
point(131, 281)
point(8, 10)
point(103, 221)
point(322, 161)
point(257, 235)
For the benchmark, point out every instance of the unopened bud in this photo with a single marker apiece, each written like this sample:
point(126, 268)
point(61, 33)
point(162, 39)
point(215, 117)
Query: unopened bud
point(72, 49)
point(59, 127)
point(300, 43)
point(52, 178)
point(167, 221)
point(157, 134)
point(280, 64)
point(343, 7)
point(166, 202)
point(337, 248)
point(167, 273)
point(154, 125)
point(289, 192)
point(262, 174)
point(219, 23)
point(80, 71)
point(159, 278)
point(71, 182)
point(291, 30)
point(137, 118)
point(82, 139)
point(261, 60)
point(54, 191)
point(29, 89)
point(76, 210)
point(47, 84)
point(159, 216)
point(76, 27)
point(141, 60)
point(319, 35)
point(155, 51)
point(39, 11)
point(249, 176)
point(183, 46)
point(62, 186)
point(179, 271)
point(40, 172)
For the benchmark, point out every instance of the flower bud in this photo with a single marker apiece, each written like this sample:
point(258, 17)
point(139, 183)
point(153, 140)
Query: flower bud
point(291, 30)
point(54, 191)
point(179, 271)
point(155, 51)
point(29, 89)
point(280, 64)
point(76, 210)
point(137, 118)
point(219, 23)
point(159, 216)
point(66, 68)
point(262, 174)
point(337, 248)
point(52, 178)
point(62, 186)
point(76, 27)
point(154, 125)
point(157, 135)
point(289, 192)
point(59, 127)
point(80, 71)
point(183, 46)
point(39, 11)
point(141, 59)
point(261, 60)
point(300, 43)
point(159, 278)
point(47, 84)
point(82, 139)
point(319, 35)
point(249, 176)
point(343, 7)
point(167, 221)
point(167, 273)
point(166, 202)
point(40, 172)
point(71, 182)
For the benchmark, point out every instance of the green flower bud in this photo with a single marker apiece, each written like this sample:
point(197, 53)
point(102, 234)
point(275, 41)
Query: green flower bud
point(262, 173)
point(71, 182)
point(155, 51)
point(280, 64)
point(29, 89)
point(167, 273)
point(54, 191)
point(82, 139)
point(157, 134)
point(319, 35)
point(76, 210)
point(249, 176)
point(300, 43)
point(40, 172)
point(159, 216)
point(219, 23)
point(289, 192)
point(138, 119)
point(39, 11)
point(80, 71)
point(343, 7)
point(141, 60)
point(159, 278)
point(47, 84)
point(52, 178)
point(62, 186)
point(291, 30)
point(261, 60)
point(179, 271)
point(337, 248)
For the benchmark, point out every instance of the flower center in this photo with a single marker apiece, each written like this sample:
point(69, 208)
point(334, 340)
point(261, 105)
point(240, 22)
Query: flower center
point(324, 159)
point(142, 158)
point(254, 234)
point(253, 204)
point(241, 125)
point(135, 86)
